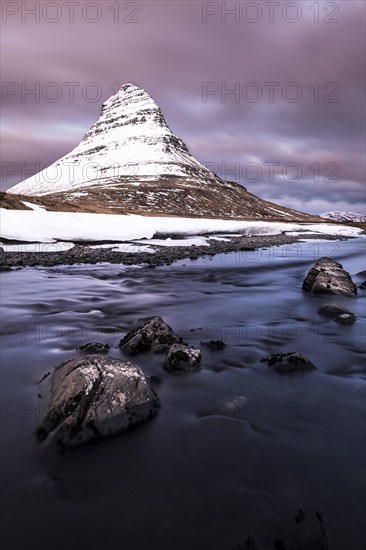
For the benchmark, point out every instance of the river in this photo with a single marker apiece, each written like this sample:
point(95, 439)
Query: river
point(234, 446)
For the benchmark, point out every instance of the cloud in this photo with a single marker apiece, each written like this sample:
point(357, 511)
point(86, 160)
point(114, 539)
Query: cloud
point(172, 53)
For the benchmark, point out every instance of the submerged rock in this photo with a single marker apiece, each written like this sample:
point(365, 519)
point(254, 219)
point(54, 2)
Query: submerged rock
point(214, 345)
point(328, 277)
point(90, 397)
point(305, 531)
point(94, 347)
point(332, 311)
point(293, 361)
point(182, 358)
point(346, 319)
point(338, 313)
point(150, 334)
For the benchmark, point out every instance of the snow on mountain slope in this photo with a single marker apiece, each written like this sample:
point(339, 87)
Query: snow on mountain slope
point(344, 216)
point(130, 139)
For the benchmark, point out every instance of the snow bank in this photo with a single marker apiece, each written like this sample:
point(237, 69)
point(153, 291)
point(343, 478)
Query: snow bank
point(125, 247)
point(38, 247)
point(43, 226)
point(197, 241)
point(34, 206)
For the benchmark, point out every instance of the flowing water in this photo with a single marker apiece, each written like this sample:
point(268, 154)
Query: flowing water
point(234, 447)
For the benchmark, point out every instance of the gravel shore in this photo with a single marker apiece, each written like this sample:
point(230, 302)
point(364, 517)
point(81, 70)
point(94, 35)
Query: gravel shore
point(83, 254)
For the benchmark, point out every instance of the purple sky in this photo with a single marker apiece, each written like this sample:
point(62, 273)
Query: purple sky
point(172, 50)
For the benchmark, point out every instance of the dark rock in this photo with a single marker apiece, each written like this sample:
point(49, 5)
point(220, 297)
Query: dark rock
point(305, 531)
point(300, 516)
point(94, 347)
point(293, 361)
point(363, 285)
point(332, 311)
point(346, 319)
point(328, 277)
point(4, 268)
point(214, 345)
point(150, 333)
point(90, 397)
point(182, 358)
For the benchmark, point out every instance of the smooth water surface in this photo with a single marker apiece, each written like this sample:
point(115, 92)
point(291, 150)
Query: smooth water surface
point(234, 446)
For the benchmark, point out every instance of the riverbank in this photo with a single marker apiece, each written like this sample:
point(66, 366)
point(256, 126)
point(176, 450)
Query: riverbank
point(156, 256)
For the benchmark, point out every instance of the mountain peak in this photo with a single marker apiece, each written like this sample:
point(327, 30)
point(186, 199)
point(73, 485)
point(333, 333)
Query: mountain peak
point(129, 114)
point(130, 139)
point(129, 94)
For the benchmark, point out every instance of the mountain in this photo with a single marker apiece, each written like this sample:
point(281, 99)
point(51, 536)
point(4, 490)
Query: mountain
point(130, 161)
point(344, 216)
point(129, 140)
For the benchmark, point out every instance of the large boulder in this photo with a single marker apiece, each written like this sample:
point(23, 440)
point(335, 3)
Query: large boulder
point(181, 358)
point(149, 334)
point(93, 396)
point(328, 277)
point(293, 361)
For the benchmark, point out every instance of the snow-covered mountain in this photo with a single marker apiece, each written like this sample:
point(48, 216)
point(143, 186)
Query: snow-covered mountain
point(131, 162)
point(344, 216)
point(130, 139)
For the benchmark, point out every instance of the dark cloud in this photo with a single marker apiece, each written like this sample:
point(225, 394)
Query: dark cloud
point(171, 52)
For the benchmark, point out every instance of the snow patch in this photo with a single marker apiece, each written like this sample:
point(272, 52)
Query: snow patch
point(125, 247)
point(193, 241)
point(342, 216)
point(38, 247)
point(34, 206)
point(47, 227)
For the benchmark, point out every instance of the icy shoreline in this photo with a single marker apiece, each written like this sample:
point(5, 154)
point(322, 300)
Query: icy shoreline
point(160, 255)
point(39, 237)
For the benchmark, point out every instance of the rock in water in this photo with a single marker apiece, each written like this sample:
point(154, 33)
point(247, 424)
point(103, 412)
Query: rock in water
point(332, 311)
point(328, 277)
point(305, 531)
point(337, 313)
point(181, 358)
point(346, 319)
point(150, 334)
point(214, 345)
point(94, 347)
point(293, 361)
point(93, 396)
